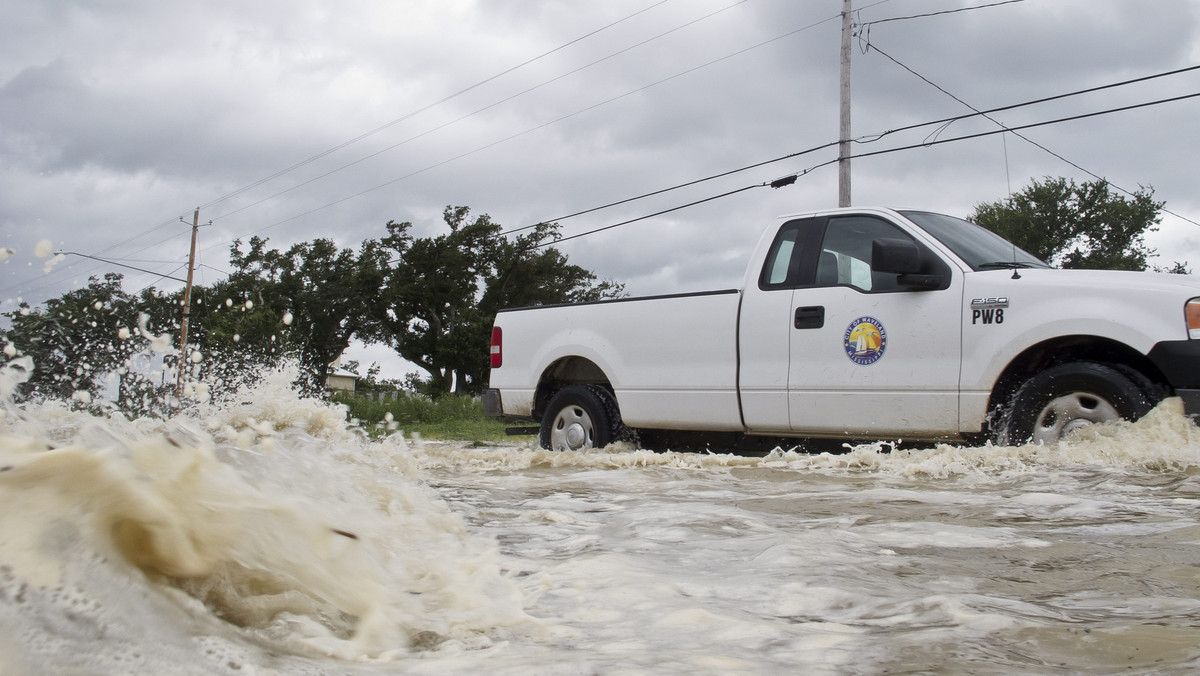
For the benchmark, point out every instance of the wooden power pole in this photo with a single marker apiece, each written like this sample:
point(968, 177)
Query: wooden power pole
point(182, 359)
point(844, 126)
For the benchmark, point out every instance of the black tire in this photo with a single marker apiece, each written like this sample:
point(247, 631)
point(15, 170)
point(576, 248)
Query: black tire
point(1063, 398)
point(580, 417)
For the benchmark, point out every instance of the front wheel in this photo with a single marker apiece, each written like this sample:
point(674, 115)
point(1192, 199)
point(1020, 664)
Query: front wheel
point(1070, 396)
point(580, 417)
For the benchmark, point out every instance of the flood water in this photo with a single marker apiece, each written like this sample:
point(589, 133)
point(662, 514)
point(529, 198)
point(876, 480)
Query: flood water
point(267, 537)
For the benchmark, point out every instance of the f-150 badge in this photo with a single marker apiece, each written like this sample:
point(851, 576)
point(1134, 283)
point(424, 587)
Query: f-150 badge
point(978, 303)
point(988, 310)
point(865, 341)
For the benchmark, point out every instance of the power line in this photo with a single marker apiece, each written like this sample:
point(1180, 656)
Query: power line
point(871, 46)
point(944, 122)
point(791, 178)
point(479, 110)
point(427, 107)
point(868, 24)
point(691, 182)
point(541, 126)
point(360, 137)
point(382, 127)
point(865, 31)
point(674, 187)
point(162, 277)
point(777, 183)
point(876, 137)
point(926, 144)
point(23, 283)
point(145, 260)
point(121, 265)
point(96, 256)
point(1031, 125)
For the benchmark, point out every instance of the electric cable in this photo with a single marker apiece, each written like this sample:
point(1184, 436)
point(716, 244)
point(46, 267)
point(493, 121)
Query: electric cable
point(427, 107)
point(871, 46)
point(674, 187)
point(360, 137)
point(946, 11)
point(877, 137)
point(860, 140)
point(926, 144)
point(647, 216)
point(865, 32)
point(535, 128)
point(873, 138)
point(476, 112)
point(121, 265)
point(407, 116)
point(791, 178)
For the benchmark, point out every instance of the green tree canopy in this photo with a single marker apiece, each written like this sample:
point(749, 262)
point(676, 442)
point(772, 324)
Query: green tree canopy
point(238, 325)
point(432, 299)
point(1073, 225)
point(441, 293)
point(324, 291)
point(86, 337)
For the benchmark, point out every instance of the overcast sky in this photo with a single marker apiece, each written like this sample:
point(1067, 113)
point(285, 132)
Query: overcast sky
point(297, 119)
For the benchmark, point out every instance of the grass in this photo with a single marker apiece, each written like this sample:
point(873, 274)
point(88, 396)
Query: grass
point(449, 418)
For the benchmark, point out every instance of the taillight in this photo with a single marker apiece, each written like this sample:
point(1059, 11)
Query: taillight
point(1192, 312)
point(497, 352)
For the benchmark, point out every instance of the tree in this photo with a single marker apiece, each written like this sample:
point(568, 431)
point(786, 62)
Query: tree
point(87, 336)
point(1177, 268)
point(442, 292)
point(430, 293)
point(527, 272)
point(238, 325)
point(1077, 226)
point(325, 291)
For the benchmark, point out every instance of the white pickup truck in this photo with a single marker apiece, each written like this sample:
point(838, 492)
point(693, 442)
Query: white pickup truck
point(858, 323)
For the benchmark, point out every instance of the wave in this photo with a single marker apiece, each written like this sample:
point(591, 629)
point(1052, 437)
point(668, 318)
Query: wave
point(271, 517)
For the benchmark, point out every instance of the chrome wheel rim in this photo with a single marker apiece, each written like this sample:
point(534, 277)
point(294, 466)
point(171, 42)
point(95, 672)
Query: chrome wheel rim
point(572, 430)
point(1068, 413)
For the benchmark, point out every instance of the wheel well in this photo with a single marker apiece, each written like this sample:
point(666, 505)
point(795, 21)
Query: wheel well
point(563, 372)
point(1068, 349)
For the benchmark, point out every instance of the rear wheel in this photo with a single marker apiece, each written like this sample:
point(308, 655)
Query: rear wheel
point(580, 417)
point(1068, 397)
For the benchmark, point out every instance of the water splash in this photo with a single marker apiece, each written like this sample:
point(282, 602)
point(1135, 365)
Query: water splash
point(269, 517)
point(255, 531)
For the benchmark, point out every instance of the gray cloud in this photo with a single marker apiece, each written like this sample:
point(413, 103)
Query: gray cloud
point(119, 117)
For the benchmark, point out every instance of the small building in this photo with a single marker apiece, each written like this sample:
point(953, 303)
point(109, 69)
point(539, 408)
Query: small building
point(340, 380)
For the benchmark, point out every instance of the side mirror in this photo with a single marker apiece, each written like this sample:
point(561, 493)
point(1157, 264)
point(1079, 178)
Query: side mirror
point(897, 256)
point(916, 269)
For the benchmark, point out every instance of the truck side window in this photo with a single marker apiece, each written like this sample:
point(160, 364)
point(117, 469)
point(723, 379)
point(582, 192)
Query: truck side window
point(785, 266)
point(780, 259)
point(846, 253)
point(790, 262)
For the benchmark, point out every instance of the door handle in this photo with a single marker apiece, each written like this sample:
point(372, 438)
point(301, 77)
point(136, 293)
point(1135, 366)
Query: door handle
point(812, 317)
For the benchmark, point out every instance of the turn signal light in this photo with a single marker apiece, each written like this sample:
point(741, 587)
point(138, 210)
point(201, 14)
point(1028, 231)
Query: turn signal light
point(498, 354)
point(1193, 318)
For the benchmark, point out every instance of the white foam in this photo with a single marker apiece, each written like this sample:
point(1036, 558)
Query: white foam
point(255, 531)
point(288, 534)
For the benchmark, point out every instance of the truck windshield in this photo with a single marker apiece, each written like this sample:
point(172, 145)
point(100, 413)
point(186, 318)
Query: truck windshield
point(979, 247)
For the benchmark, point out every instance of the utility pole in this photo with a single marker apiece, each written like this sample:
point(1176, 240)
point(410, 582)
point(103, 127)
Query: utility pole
point(844, 126)
point(182, 359)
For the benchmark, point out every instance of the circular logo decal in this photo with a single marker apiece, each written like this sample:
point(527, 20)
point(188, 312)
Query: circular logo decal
point(865, 341)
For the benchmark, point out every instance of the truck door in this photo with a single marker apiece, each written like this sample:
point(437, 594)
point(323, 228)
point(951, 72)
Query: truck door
point(869, 356)
point(765, 326)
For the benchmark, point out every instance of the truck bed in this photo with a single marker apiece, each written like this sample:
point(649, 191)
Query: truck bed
point(671, 360)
